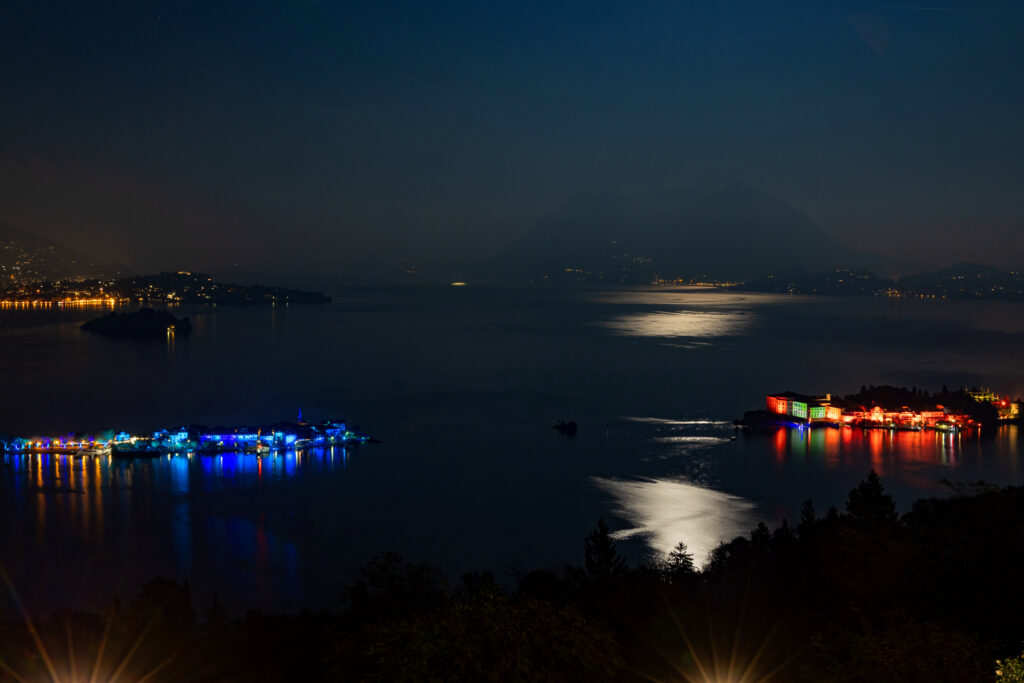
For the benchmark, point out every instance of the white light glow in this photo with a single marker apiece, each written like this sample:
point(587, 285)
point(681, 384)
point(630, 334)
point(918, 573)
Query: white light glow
point(665, 512)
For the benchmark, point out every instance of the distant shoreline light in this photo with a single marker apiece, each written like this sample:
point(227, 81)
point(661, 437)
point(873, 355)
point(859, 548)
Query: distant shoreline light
point(61, 302)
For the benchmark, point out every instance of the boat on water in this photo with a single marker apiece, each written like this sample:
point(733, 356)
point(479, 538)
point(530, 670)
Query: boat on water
point(567, 428)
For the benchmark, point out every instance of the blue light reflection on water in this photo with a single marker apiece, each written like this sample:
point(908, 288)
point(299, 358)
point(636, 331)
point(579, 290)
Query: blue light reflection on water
point(159, 518)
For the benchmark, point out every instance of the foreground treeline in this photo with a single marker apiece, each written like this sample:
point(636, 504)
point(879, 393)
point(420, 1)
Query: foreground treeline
point(853, 595)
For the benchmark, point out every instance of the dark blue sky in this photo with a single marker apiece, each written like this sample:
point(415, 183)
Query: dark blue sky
point(319, 136)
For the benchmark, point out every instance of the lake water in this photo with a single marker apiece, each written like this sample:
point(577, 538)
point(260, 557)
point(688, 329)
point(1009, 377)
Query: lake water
point(462, 386)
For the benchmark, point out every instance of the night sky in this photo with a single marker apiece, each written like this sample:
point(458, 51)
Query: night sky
point(331, 139)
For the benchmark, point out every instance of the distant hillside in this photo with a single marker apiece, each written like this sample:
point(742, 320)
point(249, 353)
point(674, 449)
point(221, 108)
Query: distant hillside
point(25, 256)
point(839, 282)
point(182, 287)
point(734, 233)
point(960, 281)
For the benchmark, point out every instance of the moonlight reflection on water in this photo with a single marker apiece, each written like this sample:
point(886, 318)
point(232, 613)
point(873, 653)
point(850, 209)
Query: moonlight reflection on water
point(679, 324)
point(665, 511)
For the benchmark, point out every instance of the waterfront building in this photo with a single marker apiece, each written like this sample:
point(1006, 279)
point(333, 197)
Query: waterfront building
point(778, 404)
point(174, 440)
point(788, 403)
point(983, 395)
point(1006, 409)
point(823, 412)
point(808, 408)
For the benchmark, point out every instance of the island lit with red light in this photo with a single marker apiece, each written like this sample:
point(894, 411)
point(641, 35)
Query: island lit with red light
point(886, 407)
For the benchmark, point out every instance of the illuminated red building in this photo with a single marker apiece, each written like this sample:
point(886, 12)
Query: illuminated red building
point(807, 408)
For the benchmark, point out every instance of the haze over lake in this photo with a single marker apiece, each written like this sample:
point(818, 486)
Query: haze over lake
point(462, 386)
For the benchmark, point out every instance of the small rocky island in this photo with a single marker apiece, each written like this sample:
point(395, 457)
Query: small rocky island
point(146, 323)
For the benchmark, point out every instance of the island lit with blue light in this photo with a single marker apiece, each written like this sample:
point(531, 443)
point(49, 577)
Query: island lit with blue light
point(272, 438)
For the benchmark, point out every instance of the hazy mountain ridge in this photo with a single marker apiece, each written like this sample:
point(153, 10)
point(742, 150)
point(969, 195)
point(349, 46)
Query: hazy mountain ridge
point(735, 233)
point(27, 256)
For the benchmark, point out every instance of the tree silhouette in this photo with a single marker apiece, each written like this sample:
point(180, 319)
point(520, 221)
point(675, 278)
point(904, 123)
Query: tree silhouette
point(215, 616)
point(807, 514)
point(783, 537)
point(601, 559)
point(679, 564)
point(760, 537)
point(389, 584)
point(869, 506)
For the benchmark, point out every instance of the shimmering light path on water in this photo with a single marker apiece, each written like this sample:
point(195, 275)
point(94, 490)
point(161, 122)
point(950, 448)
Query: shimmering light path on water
point(666, 511)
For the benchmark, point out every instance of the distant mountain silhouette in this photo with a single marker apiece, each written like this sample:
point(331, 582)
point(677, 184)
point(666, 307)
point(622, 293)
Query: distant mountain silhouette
point(9, 233)
point(734, 233)
point(31, 257)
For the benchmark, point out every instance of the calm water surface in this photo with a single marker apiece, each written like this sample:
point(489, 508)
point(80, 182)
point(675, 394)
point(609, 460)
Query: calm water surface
point(462, 385)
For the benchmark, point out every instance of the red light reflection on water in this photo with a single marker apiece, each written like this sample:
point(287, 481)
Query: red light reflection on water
point(833, 450)
point(876, 437)
point(885, 449)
